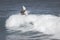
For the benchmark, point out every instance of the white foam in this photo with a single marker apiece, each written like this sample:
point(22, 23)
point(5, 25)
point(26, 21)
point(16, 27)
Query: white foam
point(49, 24)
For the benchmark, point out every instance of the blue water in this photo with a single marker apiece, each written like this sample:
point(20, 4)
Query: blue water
point(9, 7)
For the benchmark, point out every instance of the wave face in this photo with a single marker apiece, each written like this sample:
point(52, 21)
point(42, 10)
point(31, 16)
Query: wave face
point(48, 24)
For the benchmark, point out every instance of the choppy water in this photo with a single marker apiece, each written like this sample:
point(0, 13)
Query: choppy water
point(9, 7)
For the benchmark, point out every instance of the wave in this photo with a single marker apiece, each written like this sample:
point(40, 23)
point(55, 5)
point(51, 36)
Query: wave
point(48, 24)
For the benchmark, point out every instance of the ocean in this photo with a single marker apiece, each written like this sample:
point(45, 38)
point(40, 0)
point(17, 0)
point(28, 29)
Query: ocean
point(36, 7)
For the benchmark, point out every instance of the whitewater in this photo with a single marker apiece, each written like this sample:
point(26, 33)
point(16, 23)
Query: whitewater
point(48, 24)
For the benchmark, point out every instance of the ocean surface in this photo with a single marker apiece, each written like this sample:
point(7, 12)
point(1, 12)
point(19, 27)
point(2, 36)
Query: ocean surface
point(11, 7)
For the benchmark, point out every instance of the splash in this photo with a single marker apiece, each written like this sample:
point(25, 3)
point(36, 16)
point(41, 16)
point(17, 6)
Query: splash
point(48, 24)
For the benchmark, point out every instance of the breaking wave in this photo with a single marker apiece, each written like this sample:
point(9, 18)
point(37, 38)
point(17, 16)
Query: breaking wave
point(48, 24)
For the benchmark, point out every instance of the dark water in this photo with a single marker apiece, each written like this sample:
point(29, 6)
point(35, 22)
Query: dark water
point(9, 7)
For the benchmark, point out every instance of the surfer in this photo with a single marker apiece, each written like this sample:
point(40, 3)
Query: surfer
point(24, 11)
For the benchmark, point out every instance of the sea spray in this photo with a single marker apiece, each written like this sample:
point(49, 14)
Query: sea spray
point(48, 24)
point(20, 22)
